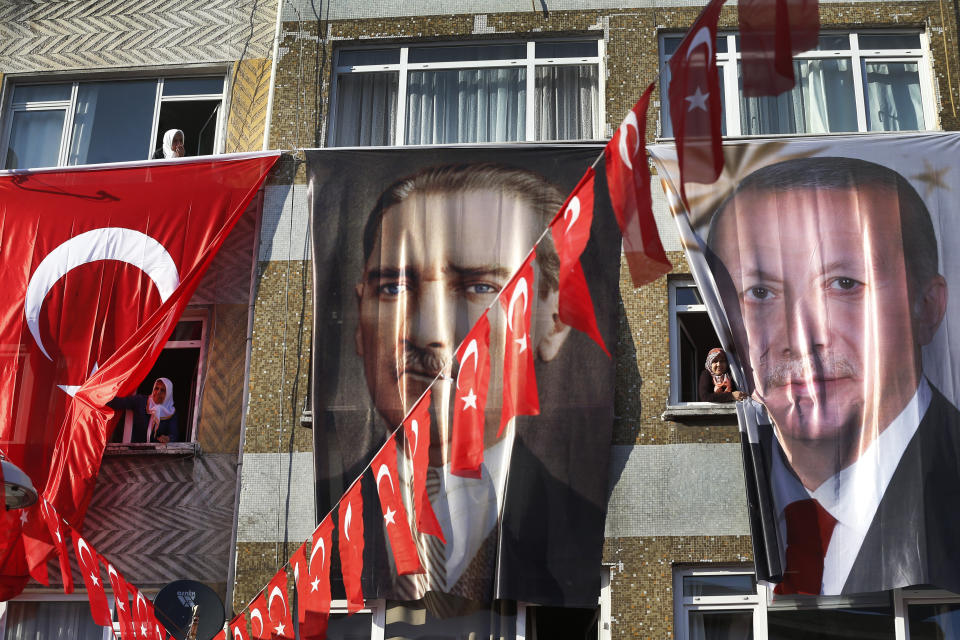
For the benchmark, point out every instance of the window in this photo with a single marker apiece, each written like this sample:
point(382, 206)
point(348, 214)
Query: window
point(181, 362)
point(691, 338)
point(71, 123)
point(443, 94)
point(47, 615)
point(536, 622)
point(867, 81)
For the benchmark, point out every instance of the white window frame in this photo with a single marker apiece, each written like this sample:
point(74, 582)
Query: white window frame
point(376, 608)
point(604, 601)
point(70, 106)
point(79, 595)
point(674, 283)
point(728, 61)
point(530, 61)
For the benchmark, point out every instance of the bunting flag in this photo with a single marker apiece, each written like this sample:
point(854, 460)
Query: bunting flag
point(141, 612)
point(696, 110)
point(384, 468)
point(121, 603)
point(771, 32)
point(416, 432)
point(312, 580)
point(260, 618)
point(351, 546)
point(88, 561)
point(473, 377)
point(519, 379)
point(37, 545)
point(570, 230)
point(54, 526)
point(628, 179)
point(238, 627)
point(278, 607)
point(221, 635)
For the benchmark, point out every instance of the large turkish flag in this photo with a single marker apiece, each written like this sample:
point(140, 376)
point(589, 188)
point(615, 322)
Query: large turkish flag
point(97, 266)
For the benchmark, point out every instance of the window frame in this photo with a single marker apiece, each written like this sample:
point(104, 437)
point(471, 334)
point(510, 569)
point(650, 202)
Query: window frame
point(80, 595)
point(12, 81)
point(604, 631)
point(728, 65)
point(531, 62)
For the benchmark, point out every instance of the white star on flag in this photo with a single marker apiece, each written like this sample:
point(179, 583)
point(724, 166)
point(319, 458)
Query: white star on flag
point(698, 100)
point(469, 400)
point(388, 516)
point(522, 341)
point(143, 630)
point(315, 585)
point(120, 604)
point(279, 628)
point(93, 578)
point(23, 518)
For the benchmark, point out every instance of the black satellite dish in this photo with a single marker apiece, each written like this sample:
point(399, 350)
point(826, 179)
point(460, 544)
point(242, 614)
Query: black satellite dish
point(174, 609)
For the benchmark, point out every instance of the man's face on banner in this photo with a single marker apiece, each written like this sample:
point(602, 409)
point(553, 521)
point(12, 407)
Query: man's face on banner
point(439, 261)
point(831, 324)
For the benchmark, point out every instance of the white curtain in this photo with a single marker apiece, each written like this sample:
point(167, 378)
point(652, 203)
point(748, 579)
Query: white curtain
point(35, 139)
point(893, 96)
point(468, 105)
point(566, 103)
point(721, 625)
point(367, 113)
point(51, 621)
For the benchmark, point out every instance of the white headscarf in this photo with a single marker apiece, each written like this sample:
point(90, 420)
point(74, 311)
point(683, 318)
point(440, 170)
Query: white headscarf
point(168, 151)
point(161, 411)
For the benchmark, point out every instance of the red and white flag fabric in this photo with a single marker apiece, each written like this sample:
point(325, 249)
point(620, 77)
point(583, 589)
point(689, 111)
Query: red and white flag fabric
point(570, 230)
point(313, 582)
point(473, 379)
point(350, 515)
point(696, 110)
point(55, 527)
point(771, 32)
point(238, 627)
point(97, 267)
point(519, 379)
point(37, 545)
point(260, 618)
point(384, 468)
point(416, 432)
point(279, 611)
point(88, 562)
point(121, 603)
point(628, 180)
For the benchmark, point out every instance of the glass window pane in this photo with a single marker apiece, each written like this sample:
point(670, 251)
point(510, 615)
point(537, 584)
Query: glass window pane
point(35, 139)
point(934, 621)
point(41, 92)
point(893, 96)
point(196, 118)
point(192, 86)
point(566, 49)
point(821, 102)
point(360, 57)
point(466, 105)
point(724, 585)
point(714, 625)
point(355, 627)
point(366, 109)
point(468, 53)
point(113, 122)
point(687, 296)
point(55, 620)
point(833, 42)
point(874, 623)
point(187, 330)
point(566, 102)
point(413, 621)
point(889, 40)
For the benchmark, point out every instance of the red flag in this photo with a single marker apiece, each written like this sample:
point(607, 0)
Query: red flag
point(37, 545)
point(278, 607)
point(55, 527)
point(771, 32)
point(519, 380)
point(88, 561)
point(466, 442)
point(695, 106)
point(238, 627)
point(97, 267)
point(221, 635)
point(571, 232)
point(260, 618)
point(313, 582)
point(628, 179)
point(121, 603)
point(384, 467)
point(416, 432)
point(351, 546)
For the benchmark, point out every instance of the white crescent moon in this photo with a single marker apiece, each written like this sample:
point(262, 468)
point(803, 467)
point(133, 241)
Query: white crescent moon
point(322, 546)
point(273, 594)
point(237, 632)
point(346, 521)
point(520, 289)
point(256, 615)
point(111, 571)
point(384, 471)
point(625, 153)
point(108, 243)
point(81, 545)
point(574, 210)
point(140, 599)
point(702, 36)
point(415, 428)
point(471, 350)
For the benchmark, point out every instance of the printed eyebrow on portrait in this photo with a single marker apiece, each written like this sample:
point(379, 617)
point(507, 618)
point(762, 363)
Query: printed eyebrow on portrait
point(390, 273)
point(496, 272)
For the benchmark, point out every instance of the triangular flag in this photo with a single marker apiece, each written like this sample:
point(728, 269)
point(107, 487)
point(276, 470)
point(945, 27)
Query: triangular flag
point(416, 431)
point(519, 379)
point(351, 546)
point(278, 607)
point(88, 561)
point(384, 468)
point(473, 378)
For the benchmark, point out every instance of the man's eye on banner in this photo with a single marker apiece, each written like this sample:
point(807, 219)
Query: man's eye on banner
point(822, 273)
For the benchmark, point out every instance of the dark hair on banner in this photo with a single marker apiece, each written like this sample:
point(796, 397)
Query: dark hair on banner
point(543, 197)
point(916, 228)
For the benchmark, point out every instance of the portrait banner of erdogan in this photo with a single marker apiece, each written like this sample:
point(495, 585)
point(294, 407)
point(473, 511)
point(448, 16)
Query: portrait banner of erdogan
point(410, 246)
point(831, 274)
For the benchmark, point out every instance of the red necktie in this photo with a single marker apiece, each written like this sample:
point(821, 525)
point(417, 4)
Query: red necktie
point(809, 528)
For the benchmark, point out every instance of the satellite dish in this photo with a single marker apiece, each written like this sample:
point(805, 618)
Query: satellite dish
point(174, 608)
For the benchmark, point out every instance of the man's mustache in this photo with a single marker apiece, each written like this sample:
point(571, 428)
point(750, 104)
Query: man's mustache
point(427, 362)
point(826, 366)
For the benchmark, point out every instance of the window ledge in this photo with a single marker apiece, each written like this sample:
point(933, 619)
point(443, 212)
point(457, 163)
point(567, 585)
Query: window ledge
point(699, 410)
point(150, 449)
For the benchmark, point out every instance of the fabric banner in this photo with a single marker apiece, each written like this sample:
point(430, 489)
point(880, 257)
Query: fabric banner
point(97, 266)
point(825, 264)
point(410, 247)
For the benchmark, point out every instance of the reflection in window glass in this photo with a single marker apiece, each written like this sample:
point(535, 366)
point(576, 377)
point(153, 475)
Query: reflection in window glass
point(355, 627)
point(719, 585)
point(112, 121)
point(35, 139)
point(41, 92)
point(889, 40)
point(688, 295)
point(583, 49)
point(413, 621)
point(934, 621)
point(729, 625)
point(893, 96)
point(468, 53)
point(865, 623)
point(192, 86)
point(361, 57)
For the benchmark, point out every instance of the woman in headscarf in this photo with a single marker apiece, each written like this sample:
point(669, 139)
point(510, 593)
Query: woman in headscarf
point(172, 145)
point(154, 417)
point(716, 384)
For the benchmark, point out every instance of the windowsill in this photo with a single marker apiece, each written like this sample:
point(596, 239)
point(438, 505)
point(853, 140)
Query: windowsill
point(680, 412)
point(150, 449)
